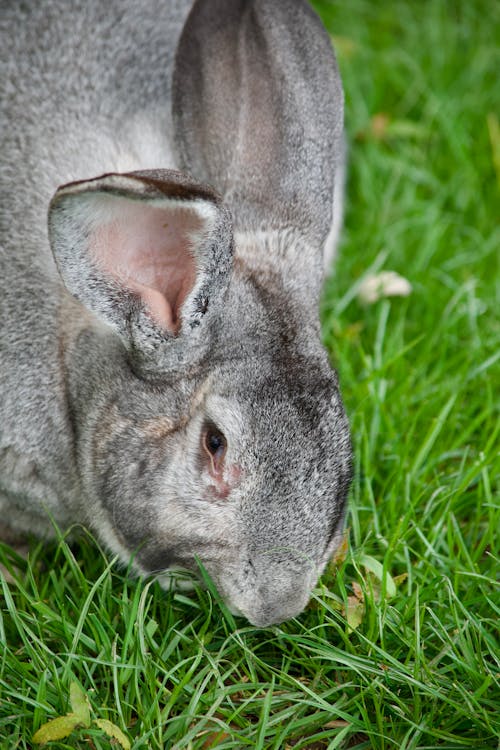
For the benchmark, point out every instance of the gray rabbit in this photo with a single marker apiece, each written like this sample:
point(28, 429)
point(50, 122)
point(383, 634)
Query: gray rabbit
point(162, 378)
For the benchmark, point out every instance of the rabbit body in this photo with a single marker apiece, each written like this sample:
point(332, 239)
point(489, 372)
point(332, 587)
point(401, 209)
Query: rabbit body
point(162, 379)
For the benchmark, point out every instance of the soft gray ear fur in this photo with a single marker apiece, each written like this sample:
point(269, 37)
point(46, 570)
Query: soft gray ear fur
point(150, 254)
point(258, 111)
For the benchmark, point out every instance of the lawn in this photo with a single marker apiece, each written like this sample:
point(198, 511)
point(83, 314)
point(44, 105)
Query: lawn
point(397, 649)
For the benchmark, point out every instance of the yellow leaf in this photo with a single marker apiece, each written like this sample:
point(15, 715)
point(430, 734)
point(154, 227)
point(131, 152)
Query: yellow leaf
point(340, 553)
point(56, 729)
point(398, 580)
point(79, 704)
point(354, 613)
point(113, 731)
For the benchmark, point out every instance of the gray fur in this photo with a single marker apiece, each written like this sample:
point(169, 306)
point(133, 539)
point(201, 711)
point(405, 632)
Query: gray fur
point(101, 409)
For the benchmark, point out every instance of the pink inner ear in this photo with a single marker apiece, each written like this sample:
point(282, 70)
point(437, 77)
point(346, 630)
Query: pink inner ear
point(147, 249)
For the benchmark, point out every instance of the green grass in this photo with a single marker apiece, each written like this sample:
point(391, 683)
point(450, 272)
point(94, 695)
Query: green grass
point(421, 380)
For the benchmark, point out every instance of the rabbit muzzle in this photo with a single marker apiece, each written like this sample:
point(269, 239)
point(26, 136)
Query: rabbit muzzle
point(269, 591)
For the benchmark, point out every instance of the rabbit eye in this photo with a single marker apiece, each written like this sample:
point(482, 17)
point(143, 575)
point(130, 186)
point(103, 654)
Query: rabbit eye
point(214, 443)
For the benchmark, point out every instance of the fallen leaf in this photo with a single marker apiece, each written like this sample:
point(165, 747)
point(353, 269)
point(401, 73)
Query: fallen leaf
point(340, 553)
point(354, 613)
point(113, 731)
point(80, 704)
point(358, 592)
point(56, 729)
point(336, 724)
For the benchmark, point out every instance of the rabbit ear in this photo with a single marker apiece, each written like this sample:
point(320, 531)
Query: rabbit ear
point(149, 253)
point(258, 111)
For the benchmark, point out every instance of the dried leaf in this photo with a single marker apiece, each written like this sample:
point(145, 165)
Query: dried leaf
point(214, 739)
point(56, 729)
point(354, 613)
point(340, 553)
point(79, 704)
point(358, 591)
point(113, 731)
point(336, 724)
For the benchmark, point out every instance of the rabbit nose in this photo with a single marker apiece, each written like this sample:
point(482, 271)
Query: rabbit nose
point(271, 607)
point(271, 587)
point(276, 612)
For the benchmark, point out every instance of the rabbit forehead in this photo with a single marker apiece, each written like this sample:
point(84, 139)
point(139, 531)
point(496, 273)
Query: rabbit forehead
point(255, 393)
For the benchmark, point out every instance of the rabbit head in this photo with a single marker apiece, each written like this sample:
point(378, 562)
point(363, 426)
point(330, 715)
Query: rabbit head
point(208, 421)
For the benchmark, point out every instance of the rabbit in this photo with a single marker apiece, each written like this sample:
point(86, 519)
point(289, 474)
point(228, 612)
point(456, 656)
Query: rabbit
point(167, 187)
